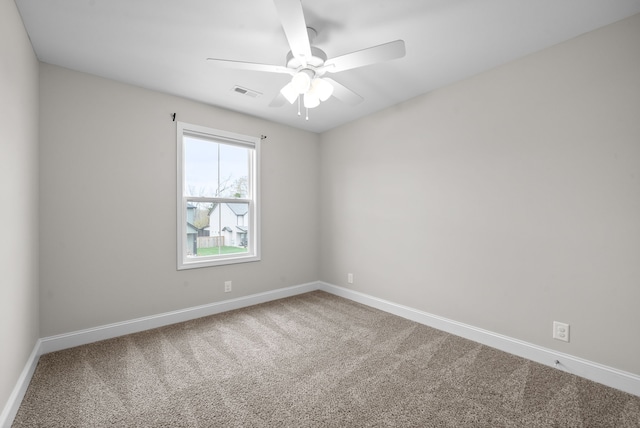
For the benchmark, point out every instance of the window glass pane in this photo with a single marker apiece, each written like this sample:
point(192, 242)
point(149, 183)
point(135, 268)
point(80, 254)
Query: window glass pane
point(200, 167)
point(234, 172)
point(217, 228)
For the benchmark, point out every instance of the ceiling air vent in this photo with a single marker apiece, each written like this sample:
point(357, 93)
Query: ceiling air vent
point(248, 92)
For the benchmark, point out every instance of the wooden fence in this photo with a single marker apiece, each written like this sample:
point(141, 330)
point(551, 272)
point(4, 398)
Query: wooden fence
point(210, 241)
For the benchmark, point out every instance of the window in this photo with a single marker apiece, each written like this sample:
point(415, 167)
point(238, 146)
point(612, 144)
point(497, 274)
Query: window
point(218, 212)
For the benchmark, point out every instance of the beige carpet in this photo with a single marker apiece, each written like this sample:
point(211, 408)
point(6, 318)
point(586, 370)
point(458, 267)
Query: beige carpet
point(311, 360)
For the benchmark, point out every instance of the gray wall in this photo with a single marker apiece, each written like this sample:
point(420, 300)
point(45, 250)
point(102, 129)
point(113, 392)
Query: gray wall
point(506, 201)
point(19, 192)
point(108, 204)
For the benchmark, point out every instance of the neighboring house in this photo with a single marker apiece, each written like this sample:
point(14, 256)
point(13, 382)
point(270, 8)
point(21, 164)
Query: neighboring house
point(231, 221)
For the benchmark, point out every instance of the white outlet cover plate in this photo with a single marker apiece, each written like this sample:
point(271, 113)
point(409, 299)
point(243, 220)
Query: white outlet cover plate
point(561, 331)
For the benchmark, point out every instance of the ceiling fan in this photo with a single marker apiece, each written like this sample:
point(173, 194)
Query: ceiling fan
point(308, 64)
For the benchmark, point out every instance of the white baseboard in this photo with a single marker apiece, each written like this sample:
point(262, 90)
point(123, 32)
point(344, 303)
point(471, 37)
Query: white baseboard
point(13, 403)
point(109, 331)
point(614, 378)
point(609, 376)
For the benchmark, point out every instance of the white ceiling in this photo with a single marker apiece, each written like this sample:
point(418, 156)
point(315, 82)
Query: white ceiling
point(163, 44)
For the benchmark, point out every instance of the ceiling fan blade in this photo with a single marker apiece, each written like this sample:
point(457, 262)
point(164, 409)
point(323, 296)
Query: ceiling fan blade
point(373, 55)
point(251, 66)
point(343, 93)
point(295, 28)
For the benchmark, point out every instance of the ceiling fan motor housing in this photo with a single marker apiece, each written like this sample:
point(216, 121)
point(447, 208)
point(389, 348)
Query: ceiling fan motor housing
point(317, 59)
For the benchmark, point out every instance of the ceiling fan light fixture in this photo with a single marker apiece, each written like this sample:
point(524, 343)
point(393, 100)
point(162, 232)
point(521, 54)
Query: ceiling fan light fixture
point(322, 89)
point(289, 92)
point(311, 100)
point(301, 81)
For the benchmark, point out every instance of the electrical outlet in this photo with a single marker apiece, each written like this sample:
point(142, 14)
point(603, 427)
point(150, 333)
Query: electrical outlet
point(350, 278)
point(227, 286)
point(561, 331)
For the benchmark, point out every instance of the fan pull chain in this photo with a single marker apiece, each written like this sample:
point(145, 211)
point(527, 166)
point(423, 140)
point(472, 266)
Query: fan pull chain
point(307, 118)
point(298, 105)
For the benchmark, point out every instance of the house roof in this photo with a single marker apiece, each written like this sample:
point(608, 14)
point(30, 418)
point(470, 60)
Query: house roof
point(238, 208)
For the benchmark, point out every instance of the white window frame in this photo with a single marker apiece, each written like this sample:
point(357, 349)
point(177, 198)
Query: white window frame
point(253, 199)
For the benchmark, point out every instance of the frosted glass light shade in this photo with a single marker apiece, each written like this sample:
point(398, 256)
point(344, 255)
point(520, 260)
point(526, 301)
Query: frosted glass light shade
point(301, 81)
point(322, 89)
point(289, 93)
point(311, 100)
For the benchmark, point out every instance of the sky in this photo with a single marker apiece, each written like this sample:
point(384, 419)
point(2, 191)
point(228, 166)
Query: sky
point(207, 163)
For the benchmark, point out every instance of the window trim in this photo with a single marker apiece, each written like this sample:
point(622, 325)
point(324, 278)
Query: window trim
point(229, 138)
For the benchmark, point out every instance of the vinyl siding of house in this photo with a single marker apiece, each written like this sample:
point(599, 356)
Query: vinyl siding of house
point(233, 221)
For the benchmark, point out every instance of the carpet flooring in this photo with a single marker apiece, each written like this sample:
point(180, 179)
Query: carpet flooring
point(314, 360)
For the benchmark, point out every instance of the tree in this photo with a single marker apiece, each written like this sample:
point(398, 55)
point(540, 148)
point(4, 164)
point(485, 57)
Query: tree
point(240, 187)
point(227, 187)
point(201, 217)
